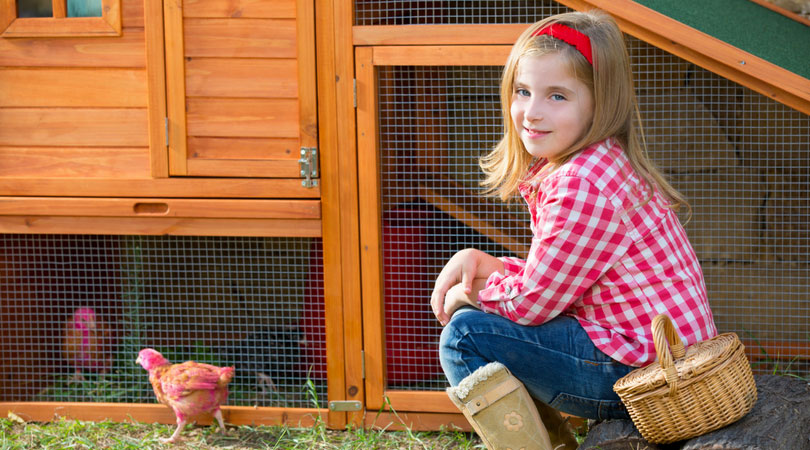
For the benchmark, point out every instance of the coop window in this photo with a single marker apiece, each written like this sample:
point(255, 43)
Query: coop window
point(60, 18)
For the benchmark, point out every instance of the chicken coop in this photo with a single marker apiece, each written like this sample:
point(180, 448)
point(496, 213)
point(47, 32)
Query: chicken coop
point(275, 184)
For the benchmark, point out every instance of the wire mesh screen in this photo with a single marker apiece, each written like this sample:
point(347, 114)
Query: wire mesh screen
point(77, 309)
point(742, 160)
point(452, 12)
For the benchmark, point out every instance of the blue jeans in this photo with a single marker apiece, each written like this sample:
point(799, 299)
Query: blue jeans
point(557, 361)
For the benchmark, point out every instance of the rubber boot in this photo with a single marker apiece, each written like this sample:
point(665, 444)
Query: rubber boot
point(561, 432)
point(500, 410)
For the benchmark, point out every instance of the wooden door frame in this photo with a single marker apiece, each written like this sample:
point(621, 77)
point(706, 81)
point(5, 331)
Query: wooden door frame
point(436, 405)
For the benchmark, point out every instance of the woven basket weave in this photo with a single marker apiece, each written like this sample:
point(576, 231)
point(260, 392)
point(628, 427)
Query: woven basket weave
point(704, 388)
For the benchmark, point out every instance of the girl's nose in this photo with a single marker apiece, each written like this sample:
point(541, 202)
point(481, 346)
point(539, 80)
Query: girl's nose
point(533, 111)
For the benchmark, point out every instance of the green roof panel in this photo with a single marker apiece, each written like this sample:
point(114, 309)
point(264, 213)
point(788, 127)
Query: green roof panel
point(746, 25)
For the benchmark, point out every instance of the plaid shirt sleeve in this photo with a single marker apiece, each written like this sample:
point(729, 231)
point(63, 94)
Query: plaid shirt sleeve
point(579, 236)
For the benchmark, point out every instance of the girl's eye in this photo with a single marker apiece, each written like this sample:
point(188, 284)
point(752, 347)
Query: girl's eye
point(557, 97)
point(522, 92)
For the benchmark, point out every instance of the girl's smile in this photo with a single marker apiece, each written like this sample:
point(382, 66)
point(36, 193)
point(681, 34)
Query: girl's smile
point(550, 109)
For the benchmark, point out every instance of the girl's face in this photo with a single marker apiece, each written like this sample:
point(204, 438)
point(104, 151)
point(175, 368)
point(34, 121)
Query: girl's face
point(550, 108)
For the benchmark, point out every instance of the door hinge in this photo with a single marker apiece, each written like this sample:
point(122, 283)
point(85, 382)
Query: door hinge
point(354, 91)
point(363, 364)
point(345, 405)
point(166, 129)
point(309, 166)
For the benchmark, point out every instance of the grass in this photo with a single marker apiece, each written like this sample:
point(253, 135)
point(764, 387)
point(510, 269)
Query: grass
point(15, 433)
point(63, 433)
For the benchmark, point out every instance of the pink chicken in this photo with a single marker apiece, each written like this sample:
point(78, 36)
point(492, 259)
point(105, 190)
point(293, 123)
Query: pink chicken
point(87, 343)
point(190, 388)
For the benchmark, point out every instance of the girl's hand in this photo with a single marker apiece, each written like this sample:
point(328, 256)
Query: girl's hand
point(464, 267)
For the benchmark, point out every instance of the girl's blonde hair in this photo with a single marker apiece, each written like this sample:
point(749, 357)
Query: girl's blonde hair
point(609, 80)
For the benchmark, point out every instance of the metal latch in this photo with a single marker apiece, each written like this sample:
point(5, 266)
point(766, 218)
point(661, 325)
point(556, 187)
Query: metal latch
point(309, 166)
point(345, 405)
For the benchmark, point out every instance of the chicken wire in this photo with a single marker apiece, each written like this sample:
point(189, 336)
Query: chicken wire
point(742, 160)
point(452, 12)
point(255, 303)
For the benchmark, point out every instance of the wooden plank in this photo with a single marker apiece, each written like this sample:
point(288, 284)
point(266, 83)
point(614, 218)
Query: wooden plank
point(74, 162)
point(59, 8)
point(8, 13)
point(420, 401)
point(244, 148)
point(60, 27)
point(160, 226)
point(349, 191)
point(435, 55)
point(333, 269)
point(175, 85)
point(272, 118)
point(395, 421)
point(124, 51)
point(161, 187)
point(370, 226)
point(132, 13)
point(257, 78)
point(75, 87)
point(469, 34)
point(307, 68)
point(160, 207)
point(73, 127)
point(156, 413)
point(240, 38)
point(248, 9)
point(243, 168)
point(156, 92)
point(704, 50)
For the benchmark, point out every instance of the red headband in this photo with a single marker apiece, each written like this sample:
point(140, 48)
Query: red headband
point(570, 36)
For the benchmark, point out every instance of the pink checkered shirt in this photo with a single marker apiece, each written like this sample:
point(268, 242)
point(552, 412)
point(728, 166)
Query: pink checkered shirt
point(598, 256)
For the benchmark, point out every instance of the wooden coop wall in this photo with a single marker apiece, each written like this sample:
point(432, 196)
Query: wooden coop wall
point(428, 108)
point(153, 175)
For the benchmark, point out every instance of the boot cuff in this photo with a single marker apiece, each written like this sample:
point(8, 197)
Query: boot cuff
point(481, 374)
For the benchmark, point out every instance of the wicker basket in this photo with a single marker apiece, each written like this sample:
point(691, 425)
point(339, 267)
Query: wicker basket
point(706, 387)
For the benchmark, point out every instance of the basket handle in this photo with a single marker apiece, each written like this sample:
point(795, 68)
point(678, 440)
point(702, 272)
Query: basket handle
point(666, 339)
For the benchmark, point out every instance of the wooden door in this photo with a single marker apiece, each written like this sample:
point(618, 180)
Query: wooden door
point(240, 88)
point(397, 237)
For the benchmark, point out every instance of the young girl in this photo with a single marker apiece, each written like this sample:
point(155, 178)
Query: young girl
point(608, 252)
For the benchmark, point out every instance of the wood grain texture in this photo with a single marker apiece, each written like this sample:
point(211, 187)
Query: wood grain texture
point(349, 191)
point(151, 413)
point(160, 187)
point(331, 208)
point(161, 207)
point(240, 38)
point(156, 90)
point(248, 9)
point(175, 85)
point(74, 162)
point(442, 55)
point(125, 51)
point(172, 226)
point(73, 127)
point(370, 226)
point(241, 78)
point(273, 118)
point(76, 87)
point(307, 68)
